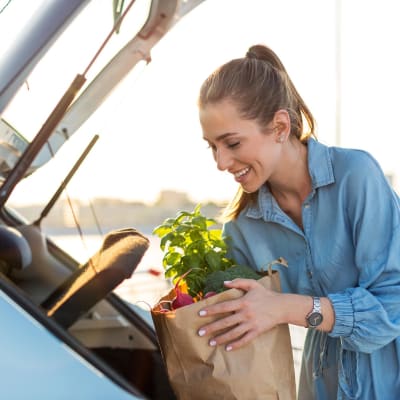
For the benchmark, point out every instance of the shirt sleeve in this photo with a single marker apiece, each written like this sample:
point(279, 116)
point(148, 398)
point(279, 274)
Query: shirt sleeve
point(367, 316)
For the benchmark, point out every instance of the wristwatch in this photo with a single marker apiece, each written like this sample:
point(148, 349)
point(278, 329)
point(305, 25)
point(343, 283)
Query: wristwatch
point(314, 318)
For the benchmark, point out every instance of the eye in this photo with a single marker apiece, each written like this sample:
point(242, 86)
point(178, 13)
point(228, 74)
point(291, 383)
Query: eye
point(233, 145)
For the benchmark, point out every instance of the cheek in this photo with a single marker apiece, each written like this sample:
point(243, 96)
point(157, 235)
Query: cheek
point(267, 153)
point(268, 158)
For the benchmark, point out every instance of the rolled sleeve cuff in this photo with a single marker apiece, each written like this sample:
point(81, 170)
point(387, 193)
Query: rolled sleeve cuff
point(344, 314)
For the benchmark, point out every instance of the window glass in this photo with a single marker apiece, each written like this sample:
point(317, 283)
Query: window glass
point(69, 56)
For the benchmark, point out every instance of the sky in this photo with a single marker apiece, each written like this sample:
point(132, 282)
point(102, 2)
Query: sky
point(156, 109)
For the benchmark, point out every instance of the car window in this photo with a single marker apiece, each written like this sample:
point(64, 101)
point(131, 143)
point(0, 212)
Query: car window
point(69, 56)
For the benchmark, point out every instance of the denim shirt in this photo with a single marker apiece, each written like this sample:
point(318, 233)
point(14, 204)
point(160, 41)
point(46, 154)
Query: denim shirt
point(348, 251)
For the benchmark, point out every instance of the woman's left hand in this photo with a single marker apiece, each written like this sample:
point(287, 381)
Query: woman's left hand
point(255, 312)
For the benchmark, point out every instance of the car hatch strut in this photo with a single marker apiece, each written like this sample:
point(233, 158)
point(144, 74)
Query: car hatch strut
point(65, 182)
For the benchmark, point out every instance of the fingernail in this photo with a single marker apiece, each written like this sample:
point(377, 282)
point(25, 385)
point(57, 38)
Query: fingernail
point(227, 282)
point(201, 332)
point(228, 348)
point(202, 313)
point(212, 342)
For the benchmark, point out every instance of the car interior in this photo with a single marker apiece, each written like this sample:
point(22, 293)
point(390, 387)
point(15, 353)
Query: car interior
point(78, 305)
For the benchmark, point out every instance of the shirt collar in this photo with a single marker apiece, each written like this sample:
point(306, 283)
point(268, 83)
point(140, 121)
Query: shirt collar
point(321, 172)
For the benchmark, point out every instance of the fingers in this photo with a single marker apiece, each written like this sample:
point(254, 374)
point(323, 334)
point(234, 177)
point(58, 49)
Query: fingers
point(220, 325)
point(242, 341)
point(234, 338)
point(243, 284)
point(221, 308)
point(233, 330)
point(231, 305)
point(240, 320)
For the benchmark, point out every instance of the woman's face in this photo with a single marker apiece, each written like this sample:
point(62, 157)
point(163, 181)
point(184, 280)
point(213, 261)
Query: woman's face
point(241, 147)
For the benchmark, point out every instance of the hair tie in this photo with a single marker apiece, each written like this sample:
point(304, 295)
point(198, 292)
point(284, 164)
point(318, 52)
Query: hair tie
point(251, 54)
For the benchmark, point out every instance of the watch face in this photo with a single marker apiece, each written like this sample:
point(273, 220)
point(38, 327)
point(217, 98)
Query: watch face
point(314, 319)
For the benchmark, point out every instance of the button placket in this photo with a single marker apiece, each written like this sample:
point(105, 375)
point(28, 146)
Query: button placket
point(308, 262)
point(306, 214)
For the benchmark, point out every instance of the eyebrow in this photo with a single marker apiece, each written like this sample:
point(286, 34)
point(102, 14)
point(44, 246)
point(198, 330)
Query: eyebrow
point(222, 136)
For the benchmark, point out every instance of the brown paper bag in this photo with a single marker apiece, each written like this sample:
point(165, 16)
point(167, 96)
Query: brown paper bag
point(263, 369)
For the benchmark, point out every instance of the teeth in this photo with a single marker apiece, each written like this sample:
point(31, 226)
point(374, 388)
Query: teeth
point(242, 172)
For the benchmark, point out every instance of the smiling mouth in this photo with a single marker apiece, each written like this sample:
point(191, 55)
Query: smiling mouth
point(242, 172)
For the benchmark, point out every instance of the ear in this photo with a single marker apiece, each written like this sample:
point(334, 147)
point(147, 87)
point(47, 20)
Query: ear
point(281, 124)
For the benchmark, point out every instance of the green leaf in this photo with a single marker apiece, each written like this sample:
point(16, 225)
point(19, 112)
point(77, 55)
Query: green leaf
point(215, 234)
point(177, 240)
point(161, 230)
point(170, 272)
point(213, 260)
point(166, 239)
point(195, 236)
point(183, 228)
point(172, 258)
point(200, 221)
point(192, 261)
point(211, 222)
point(181, 216)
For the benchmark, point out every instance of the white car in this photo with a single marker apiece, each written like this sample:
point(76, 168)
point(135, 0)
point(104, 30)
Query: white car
point(64, 331)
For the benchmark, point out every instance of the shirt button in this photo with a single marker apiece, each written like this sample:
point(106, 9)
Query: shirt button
point(309, 273)
point(306, 205)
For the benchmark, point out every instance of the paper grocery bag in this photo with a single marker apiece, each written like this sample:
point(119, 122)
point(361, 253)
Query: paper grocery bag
point(263, 369)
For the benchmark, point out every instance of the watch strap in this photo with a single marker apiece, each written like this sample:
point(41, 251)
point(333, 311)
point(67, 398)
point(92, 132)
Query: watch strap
point(314, 317)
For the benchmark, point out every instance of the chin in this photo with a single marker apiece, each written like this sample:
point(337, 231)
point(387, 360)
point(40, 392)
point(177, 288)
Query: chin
point(250, 189)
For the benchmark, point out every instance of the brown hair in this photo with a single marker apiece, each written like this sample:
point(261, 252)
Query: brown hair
point(259, 86)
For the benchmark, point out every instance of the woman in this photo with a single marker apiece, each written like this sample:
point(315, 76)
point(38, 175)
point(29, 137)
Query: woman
point(329, 212)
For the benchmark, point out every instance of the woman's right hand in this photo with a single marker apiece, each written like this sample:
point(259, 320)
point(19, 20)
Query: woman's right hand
point(257, 311)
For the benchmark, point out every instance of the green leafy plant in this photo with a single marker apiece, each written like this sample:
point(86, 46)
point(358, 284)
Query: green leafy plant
point(192, 249)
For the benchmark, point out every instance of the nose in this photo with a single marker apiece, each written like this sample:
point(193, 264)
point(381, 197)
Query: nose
point(223, 159)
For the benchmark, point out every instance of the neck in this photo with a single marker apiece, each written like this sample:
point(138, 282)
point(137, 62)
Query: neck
point(293, 178)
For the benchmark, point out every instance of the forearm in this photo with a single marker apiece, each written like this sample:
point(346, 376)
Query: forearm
point(296, 307)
